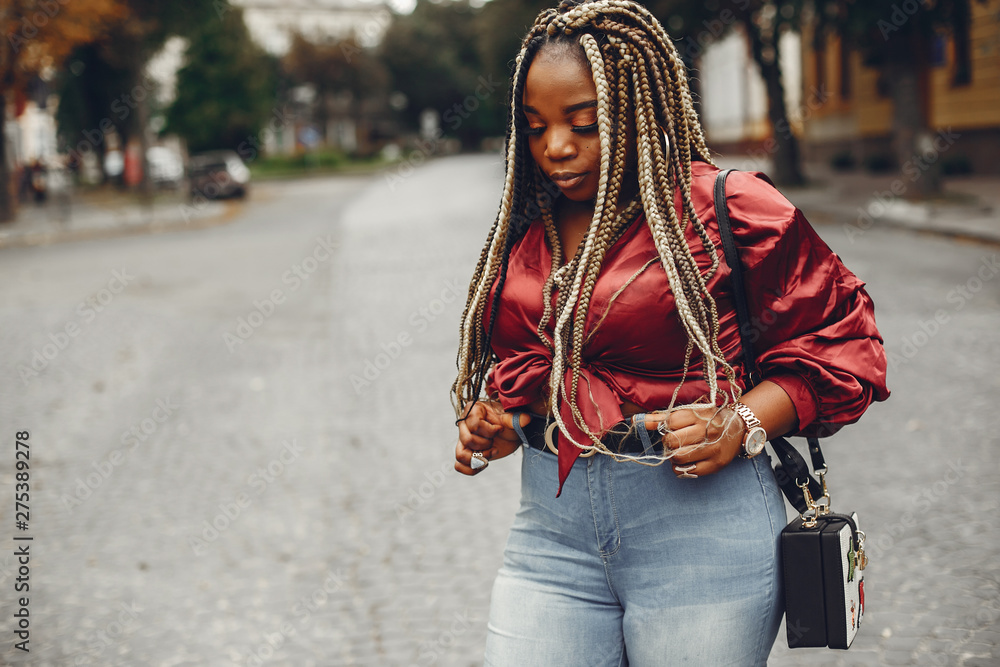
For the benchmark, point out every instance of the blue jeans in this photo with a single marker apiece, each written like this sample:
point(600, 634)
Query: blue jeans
point(633, 566)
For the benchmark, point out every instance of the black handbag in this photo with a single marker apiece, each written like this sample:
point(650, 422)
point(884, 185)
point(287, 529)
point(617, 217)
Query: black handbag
point(823, 557)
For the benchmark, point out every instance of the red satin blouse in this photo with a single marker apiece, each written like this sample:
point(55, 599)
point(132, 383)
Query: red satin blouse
point(813, 327)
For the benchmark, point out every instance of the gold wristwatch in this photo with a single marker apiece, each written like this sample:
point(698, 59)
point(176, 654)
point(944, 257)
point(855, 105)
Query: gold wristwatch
point(755, 437)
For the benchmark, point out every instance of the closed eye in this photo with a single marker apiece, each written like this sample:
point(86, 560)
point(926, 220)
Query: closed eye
point(581, 129)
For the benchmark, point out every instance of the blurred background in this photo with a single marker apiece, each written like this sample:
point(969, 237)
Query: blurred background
point(235, 242)
point(124, 93)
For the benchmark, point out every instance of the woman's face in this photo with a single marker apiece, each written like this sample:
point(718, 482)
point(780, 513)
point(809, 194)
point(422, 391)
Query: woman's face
point(560, 105)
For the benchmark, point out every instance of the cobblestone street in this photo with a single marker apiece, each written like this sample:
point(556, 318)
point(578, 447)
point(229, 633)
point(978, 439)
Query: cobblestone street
point(243, 456)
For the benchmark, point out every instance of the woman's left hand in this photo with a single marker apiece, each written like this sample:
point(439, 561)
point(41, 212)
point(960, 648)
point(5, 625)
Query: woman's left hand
point(701, 443)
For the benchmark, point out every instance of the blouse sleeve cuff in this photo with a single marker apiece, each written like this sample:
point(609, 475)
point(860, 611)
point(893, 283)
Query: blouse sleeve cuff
point(802, 395)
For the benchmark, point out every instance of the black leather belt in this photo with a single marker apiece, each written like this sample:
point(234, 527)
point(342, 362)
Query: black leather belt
point(621, 438)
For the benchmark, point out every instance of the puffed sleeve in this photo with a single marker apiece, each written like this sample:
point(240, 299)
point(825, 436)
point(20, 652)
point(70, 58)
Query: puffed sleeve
point(812, 322)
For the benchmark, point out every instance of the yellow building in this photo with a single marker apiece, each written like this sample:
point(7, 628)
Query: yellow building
point(960, 90)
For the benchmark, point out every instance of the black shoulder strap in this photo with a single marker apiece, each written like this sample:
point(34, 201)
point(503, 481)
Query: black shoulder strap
point(735, 274)
point(792, 469)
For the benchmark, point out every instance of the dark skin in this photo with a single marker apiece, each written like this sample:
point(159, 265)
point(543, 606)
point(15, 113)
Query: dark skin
point(560, 105)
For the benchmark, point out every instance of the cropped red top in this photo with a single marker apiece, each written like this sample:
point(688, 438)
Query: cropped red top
point(813, 327)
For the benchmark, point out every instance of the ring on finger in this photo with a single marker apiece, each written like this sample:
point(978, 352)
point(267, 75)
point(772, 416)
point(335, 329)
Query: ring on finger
point(478, 461)
point(662, 428)
point(686, 471)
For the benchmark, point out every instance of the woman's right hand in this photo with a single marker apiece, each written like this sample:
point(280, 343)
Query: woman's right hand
point(489, 430)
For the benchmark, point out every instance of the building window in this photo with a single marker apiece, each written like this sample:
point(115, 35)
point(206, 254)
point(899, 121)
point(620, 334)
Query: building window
point(939, 47)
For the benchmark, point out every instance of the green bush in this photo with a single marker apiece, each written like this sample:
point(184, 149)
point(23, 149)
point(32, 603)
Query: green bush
point(319, 160)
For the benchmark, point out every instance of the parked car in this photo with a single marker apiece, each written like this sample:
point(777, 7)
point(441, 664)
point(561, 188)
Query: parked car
point(166, 169)
point(218, 174)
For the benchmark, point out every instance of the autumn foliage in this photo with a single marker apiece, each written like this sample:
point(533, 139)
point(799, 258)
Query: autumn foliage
point(39, 34)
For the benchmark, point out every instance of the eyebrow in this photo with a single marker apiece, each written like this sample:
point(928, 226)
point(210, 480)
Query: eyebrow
point(566, 110)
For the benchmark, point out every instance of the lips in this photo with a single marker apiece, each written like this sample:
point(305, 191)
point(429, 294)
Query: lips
point(567, 180)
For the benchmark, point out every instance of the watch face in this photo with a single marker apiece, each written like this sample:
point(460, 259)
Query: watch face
point(755, 440)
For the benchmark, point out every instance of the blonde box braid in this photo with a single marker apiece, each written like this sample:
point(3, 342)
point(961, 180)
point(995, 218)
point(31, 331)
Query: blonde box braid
point(633, 63)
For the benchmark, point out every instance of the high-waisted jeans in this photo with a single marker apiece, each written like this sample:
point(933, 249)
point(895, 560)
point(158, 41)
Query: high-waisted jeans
point(634, 566)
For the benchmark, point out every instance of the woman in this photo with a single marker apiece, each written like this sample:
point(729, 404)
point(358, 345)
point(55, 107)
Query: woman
point(599, 321)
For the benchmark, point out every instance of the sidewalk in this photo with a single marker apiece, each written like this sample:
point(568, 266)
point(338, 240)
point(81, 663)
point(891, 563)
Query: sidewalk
point(970, 207)
point(107, 213)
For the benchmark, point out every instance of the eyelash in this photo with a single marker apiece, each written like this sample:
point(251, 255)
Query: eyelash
point(582, 129)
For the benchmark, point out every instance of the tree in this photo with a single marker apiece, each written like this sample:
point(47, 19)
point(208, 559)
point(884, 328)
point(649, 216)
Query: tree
point(433, 58)
point(225, 90)
point(340, 67)
point(106, 87)
point(37, 36)
point(894, 36)
point(87, 89)
point(501, 25)
point(695, 25)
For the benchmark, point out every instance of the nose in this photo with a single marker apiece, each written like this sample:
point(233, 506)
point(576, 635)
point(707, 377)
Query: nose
point(561, 145)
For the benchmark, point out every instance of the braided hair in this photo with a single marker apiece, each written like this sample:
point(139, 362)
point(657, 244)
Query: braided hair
point(640, 80)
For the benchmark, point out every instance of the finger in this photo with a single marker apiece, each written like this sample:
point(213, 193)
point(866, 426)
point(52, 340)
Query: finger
point(507, 419)
point(475, 427)
point(684, 437)
point(463, 460)
point(693, 454)
point(687, 436)
point(697, 469)
point(478, 421)
point(488, 430)
point(472, 440)
point(675, 420)
point(682, 418)
point(653, 420)
point(686, 471)
point(508, 435)
point(464, 469)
